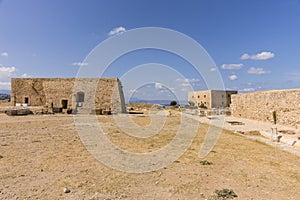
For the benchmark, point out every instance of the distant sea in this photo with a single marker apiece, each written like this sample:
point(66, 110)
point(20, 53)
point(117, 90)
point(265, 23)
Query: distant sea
point(159, 102)
point(4, 91)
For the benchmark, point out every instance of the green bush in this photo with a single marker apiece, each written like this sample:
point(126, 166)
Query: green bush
point(173, 103)
point(205, 162)
point(191, 103)
point(225, 193)
point(274, 117)
point(202, 106)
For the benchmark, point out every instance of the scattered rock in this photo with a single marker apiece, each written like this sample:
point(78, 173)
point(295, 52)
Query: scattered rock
point(252, 133)
point(67, 190)
point(205, 162)
point(123, 196)
point(289, 132)
point(239, 132)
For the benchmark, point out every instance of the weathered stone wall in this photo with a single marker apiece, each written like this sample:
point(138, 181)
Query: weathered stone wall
point(211, 98)
point(221, 98)
point(198, 97)
point(260, 106)
point(104, 93)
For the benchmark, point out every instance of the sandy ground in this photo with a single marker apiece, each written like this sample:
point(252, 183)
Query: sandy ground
point(42, 154)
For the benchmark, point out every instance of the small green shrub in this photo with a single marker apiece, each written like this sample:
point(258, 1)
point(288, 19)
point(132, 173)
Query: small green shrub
point(205, 162)
point(274, 117)
point(225, 193)
point(191, 103)
point(202, 106)
point(173, 103)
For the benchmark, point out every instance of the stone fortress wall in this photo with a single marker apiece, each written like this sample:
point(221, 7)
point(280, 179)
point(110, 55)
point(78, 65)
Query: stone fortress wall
point(260, 106)
point(103, 93)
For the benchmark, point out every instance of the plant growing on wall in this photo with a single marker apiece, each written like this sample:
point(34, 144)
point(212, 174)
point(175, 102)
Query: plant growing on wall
point(274, 117)
point(191, 103)
point(202, 106)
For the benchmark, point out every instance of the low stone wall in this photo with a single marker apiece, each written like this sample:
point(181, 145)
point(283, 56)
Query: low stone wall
point(260, 106)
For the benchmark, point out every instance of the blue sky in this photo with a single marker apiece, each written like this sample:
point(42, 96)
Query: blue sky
point(255, 44)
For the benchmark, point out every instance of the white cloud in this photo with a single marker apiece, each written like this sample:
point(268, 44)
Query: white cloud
point(4, 85)
point(213, 69)
point(172, 89)
point(265, 55)
point(187, 80)
point(233, 77)
point(132, 91)
point(158, 86)
point(185, 85)
point(253, 70)
point(193, 80)
point(232, 66)
point(25, 75)
point(245, 56)
point(80, 64)
point(4, 54)
point(6, 72)
point(117, 30)
point(247, 90)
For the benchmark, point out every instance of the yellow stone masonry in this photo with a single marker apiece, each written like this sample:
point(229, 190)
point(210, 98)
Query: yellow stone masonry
point(260, 106)
point(99, 93)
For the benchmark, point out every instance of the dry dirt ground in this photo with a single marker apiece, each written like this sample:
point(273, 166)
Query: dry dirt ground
point(42, 154)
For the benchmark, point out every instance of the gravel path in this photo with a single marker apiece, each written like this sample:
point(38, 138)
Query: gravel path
point(246, 125)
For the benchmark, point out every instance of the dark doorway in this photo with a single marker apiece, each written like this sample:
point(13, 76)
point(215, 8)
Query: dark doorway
point(26, 100)
point(64, 104)
point(80, 97)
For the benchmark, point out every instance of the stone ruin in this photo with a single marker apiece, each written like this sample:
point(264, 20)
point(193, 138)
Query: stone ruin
point(80, 94)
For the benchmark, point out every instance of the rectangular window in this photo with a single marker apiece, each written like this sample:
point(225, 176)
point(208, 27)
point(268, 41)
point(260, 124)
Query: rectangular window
point(26, 100)
point(64, 104)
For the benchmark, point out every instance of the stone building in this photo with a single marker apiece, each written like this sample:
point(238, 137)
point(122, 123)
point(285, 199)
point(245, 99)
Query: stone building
point(211, 98)
point(260, 106)
point(69, 93)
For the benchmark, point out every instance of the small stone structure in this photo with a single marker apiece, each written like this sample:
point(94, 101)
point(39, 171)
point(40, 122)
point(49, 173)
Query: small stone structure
point(211, 98)
point(260, 106)
point(69, 93)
